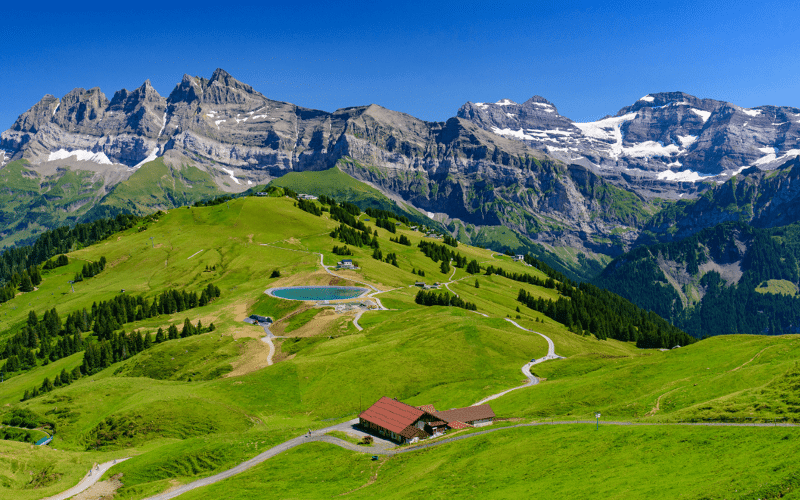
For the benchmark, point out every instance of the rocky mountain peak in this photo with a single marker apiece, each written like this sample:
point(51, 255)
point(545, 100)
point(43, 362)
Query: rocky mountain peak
point(224, 78)
point(537, 99)
point(40, 113)
point(188, 90)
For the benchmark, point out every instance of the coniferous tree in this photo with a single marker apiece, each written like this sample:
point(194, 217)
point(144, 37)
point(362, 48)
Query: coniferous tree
point(188, 329)
point(26, 285)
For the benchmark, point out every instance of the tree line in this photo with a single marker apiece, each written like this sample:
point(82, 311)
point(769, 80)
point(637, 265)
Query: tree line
point(100, 355)
point(61, 240)
point(432, 298)
point(386, 214)
point(90, 269)
point(47, 339)
point(354, 237)
point(588, 309)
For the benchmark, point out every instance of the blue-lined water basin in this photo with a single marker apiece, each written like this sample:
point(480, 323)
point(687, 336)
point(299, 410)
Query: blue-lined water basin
point(318, 292)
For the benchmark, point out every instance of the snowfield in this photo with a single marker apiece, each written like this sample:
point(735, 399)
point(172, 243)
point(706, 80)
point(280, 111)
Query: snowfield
point(80, 155)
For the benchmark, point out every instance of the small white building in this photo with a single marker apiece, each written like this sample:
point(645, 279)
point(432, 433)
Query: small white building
point(346, 264)
point(519, 258)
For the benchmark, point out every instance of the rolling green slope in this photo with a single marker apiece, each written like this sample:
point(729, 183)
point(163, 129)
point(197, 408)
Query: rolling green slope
point(340, 186)
point(32, 203)
point(157, 186)
point(190, 407)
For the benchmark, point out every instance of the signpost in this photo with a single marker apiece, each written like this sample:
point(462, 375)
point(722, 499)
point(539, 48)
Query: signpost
point(597, 416)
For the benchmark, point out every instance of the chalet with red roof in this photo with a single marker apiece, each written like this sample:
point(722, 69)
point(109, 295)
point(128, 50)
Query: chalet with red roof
point(404, 423)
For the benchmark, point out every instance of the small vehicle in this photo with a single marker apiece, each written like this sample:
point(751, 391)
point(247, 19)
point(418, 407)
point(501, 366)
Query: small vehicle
point(374, 457)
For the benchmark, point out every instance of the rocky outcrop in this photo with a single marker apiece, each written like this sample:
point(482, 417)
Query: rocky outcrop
point(665, 145)
point(456, 168)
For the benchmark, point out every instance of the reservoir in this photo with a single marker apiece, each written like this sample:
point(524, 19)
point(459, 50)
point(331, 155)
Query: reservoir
point(317, 292)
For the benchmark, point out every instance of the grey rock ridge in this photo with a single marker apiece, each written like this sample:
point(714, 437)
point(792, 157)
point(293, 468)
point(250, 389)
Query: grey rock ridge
point(522, 166)
point(665, 144)
point(455, 169)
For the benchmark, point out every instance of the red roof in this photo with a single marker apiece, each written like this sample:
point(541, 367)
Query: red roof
point(468, 414)
point(392, 415)
point(455, 424)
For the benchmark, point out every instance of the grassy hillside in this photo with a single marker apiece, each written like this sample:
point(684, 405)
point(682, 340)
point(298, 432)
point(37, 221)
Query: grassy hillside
point(190, 407)
point(340, 186)
point(32, 203)
point(157, 185)
point(565, 461)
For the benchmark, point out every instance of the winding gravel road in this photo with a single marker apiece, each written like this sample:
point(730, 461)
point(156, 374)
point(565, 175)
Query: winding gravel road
point(88, 480)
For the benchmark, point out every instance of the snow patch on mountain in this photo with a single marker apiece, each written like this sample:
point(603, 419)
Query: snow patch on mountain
point(683, 176)
point(687, 140)
point(771, 156)
point(80, 155)
point(230, 173)
point(607, 130)
point(650, 148)
point(505, 102)
point(163, 124)
point(516, 134)
point(152, 156)
point(648, 98)
point(751, 112)
point(705, 115)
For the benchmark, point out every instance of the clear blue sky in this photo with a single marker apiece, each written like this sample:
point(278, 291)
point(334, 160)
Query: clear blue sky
point(425, 59)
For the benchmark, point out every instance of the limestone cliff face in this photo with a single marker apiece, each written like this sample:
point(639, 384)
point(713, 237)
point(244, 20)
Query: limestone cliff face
point(456, 169)
point(664, 145)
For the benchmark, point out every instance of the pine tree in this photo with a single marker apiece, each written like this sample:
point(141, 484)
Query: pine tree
point(188, 329)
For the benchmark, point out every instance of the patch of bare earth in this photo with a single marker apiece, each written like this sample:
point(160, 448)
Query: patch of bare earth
point(279, 354)
point(173, 485)
point(316, 278)
point(326, 322)
point(253, 356)
point(101, 490)
point(118, 261)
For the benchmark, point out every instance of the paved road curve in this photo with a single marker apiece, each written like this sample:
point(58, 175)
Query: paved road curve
point(89, 479)
point(526, 368)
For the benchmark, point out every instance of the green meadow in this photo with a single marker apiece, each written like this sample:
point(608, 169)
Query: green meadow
point(191, 407)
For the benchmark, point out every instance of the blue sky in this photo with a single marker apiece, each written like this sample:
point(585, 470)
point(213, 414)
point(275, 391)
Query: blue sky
point(425, 58)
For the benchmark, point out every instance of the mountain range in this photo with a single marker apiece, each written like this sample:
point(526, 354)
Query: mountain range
point(584, 189)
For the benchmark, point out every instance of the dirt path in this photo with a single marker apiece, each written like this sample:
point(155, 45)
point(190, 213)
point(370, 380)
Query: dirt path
point(88, 480)
point(657, 407)
point(197, 252)
point(752, 359)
